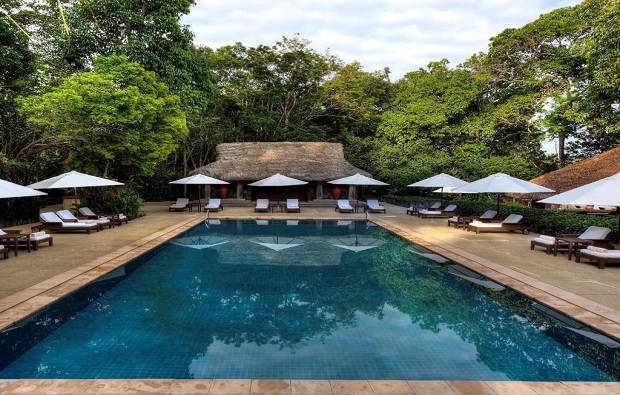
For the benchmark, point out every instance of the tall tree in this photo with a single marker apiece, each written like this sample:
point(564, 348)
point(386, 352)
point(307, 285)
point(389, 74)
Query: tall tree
point(117, 120)
point(272, 93)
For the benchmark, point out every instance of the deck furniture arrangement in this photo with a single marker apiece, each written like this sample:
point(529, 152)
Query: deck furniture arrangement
point(117, 219)
point(511, 223)
point(9, 237)
point(292, 206)
point(343, 206)
point(67, 216)
point(447, 212)
point(549, 243)
point(34, 239)
point(601, 256)
point(414, 208)
point(214, 205)
point(592, 236)
point(180, 205)
point(373, 206)
point(52, 222)
point(457, 221)
point(262, 205)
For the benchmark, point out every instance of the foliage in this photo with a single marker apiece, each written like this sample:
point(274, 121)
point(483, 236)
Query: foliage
point(113, 201)
point(117, 120)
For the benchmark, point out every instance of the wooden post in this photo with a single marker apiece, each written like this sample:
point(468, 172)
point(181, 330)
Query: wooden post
point(239, 189)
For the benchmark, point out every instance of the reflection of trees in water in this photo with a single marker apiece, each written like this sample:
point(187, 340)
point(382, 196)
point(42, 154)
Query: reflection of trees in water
point(289, 305)
point(495, 322)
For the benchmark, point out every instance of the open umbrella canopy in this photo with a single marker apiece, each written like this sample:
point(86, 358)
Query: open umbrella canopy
point(73, 179)
point(442, 180)
point(501, 183)
point(357, 179)
point(11, 190)
point(604, 192)
point(199, 179)
point(277, 180)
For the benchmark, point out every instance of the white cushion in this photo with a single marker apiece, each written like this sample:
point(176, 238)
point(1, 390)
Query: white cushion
point(545, 241)
point(50, 217)
point(597, 249)
point(550, 238)
point(513, 219)
point(595, 233)
point(609, 253)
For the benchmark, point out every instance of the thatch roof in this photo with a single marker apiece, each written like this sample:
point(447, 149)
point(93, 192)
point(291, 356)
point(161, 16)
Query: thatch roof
point(254, 161)
point(581, 173)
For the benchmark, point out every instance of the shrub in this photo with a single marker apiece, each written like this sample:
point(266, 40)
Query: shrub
point(114, 201)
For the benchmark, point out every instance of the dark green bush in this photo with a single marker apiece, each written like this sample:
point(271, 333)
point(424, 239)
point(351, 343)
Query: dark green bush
point(113, 201)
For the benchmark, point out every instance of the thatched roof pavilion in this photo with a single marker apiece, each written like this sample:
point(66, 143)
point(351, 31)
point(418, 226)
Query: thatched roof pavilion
point(578, 174)
point(315, 162)
point(254, 161)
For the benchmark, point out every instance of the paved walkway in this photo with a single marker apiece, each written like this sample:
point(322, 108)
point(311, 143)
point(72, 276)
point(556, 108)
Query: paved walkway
point(31, 280)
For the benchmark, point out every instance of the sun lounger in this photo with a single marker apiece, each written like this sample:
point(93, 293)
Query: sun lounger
point(549, 243)
point(343, 206)
point(601, 256)
point(510, 224)
point(52, 222)
point(67, 216)
point(592, 236)
point(180, 205)
point(117, 219)
point(449, 211)
point(373, 206)
point(292, 206)
point(262, 205)
point(458, 221)
point(4, 251)
point(34, 239)
point(214, 205)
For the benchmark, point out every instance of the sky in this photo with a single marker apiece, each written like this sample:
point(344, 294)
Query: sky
point(404, 35)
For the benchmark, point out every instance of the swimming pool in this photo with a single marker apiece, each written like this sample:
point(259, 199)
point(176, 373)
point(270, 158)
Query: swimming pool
point(301, 300)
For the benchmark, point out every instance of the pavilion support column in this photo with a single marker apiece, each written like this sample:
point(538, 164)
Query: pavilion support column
point(207, 191)
point(319, 190)
point(353, 192)
point(239, 189)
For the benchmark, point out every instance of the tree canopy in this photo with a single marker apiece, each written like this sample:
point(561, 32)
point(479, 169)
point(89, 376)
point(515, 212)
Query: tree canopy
point(553, 78)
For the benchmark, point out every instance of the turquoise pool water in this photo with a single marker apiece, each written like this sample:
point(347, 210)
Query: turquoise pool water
point(301, 300)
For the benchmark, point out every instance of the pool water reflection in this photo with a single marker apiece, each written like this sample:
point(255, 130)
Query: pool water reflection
point(305, 300)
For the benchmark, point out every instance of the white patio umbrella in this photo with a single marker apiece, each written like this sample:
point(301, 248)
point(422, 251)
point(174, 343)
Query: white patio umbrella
point(12, 190)
point(501, 183)
point(277, 180)
point(199, 179)
point(604, 192)
point(357, 180)
point(73, 179)
point(443, 181)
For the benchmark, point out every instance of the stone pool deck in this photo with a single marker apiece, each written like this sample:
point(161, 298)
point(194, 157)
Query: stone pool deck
point(31, 280)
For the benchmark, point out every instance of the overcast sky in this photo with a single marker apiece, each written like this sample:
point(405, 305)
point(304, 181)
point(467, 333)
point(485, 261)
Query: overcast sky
point(403, 35)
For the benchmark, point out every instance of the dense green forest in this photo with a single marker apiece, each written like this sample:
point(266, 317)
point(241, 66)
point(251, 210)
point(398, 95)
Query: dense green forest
point(119, 89)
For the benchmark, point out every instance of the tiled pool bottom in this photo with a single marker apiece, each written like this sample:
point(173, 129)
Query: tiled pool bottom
point(342, 280)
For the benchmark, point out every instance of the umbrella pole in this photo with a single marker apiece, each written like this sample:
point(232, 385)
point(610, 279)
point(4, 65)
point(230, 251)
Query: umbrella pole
point(76, 198)
point(498, 205)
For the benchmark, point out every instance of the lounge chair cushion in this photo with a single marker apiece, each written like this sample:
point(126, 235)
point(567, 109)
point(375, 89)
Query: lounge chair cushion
point(489, 214)
point(595, 233)
point(545, 241)
point(513, 219)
